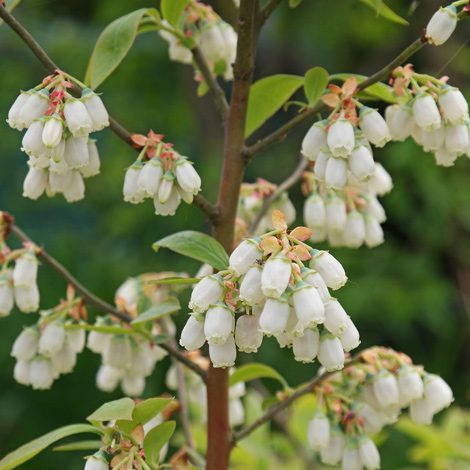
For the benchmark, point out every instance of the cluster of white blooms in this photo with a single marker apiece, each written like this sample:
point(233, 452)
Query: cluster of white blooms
point(45, 351)
point(57, 142)
point(267, 290)
point(378, 388)
point(197, 395)
point(216, 39)
point(435, 115)
point(252, 197)
point(160, 174)
point(19, 286)
point(351, 216)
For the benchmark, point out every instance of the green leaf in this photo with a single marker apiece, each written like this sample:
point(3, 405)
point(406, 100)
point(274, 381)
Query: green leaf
point(267, 96)
point(156, 439)
point(144, 412)
point(316, 80)
point(157, 311)
point(172, 11)
point(174, 280)
point(29, 450)
point(116, 409)
point(195, 245)
point(80, 445)
point(112, 46)
point(256, 371)
point(294, 3)
point(381, 9)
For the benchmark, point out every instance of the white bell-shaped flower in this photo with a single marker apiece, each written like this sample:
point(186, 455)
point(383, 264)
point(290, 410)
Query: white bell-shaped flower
point(373, 421)
point(438, 394)
point(276, 275)
point(341, 138)
point(248, 337)
point(177, 52)
point(76, 152)
point(7, 296)
point(350, 338)
point(77, 118)
point(223, 355)
point(274, 316)
point(336, 173)
point(319, 168)
point(75, 187)
point(421, 412)
point(370, 456)
point(21, 372)
point(355, 230)
point(333, 452)
point(330, 269)
point(58, 181)
point(445, 158)
point(187, 177)
point(133, 385)
point(131, 191)
point(374, 127)
point(41, 373)
point(97, 341)
point(96, 110)
point(96, 462)
point(118, 352)
point(314, 211)
point(26, 344)
point(192, 336)
point(336, 318)
point(319, 431)
point(35, 183)
point(250, 287)
point(150, 177)
point(330, 353)
point(376, 210)
point(32, 143)
point(410, 384)
point(400, 121)
point(107, 378)
point(26, 270)
point(374, 235)
point(92, 168)
point(314, 278)
point(245, 255)
point(206, 292)
point(52, 339)
point(166, 186)
point(351, 458)
point(34, 107)
point(386, 389)
point(170, 205)
point(457, 139)
point(52, 132)
point(76, 339)
point(454, 106)
point(336, 213)
point(361, 163)
point(27, 298)
point(381, 181)
point(63, 362)
point(426, 112)
point(308, 305)
point(442, 25)
point(314, 140)
point(305, 347)
point(14, 113)
point(219, 323)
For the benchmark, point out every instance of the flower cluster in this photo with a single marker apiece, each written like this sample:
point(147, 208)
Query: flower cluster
point(267, 290)
point(340, 146)
point(160, 173)
point(252, 198)
point(434, 113)
point(196, 390)
point(377, 389)
point(57, 142)
point(19, 285)
point(350, 216)
point(203, 28)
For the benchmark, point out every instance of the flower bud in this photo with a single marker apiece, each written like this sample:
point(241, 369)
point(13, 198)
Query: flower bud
point(314, 140)
point(315, 279)
point(351, 458)
point(319, 168)
point(118, 352)
point(35, 183)
point(333, 452)
point(96, 462)
point(236, 413)
point(330, 269)
point(223, 355)
point(7, 299)
point(426, 113)
point(274, 317)
point(131, 191)
point(14, 113)
point(77, 118)
point(170, 205)
point(218, 324)
point(27, 298)
point(410, 384)
point(244, 255)
point(133, 385)
point(369, 454)
point(314, 211)
point(276, 275)
point(386, 389)
point(250, 287)
point(248, 337)
point(400, 121)
point(206, 292)
point(421, 411)
point(192, 335)
point(52, 132)
point(437, 393)
point(374, 127)
point(76, 339)
point(350, 336)
point(166, 187)
point(92, 168)
point(76, 152)
point(32, 143)
point(308, 306)
point(336, 318)
point(355, 230)
point(376, 210)
point(52, 339)
point(21, 372)
point(336, 173)
point(305, 347)
point(457, 139)
point(33, 108)
point(445, 158)
point(340, 138)
point(361, 163)
point(108, 377)
point(150, 177)
point(330, 353)
point(374, 235)
point(63, 362)
point(441, 25)
point(454, 106)
point(96, 110)
point(26, 344)
point(41, 374)
point(187, 176)
point(75, 187)
point(381, 182)
point(319, 431)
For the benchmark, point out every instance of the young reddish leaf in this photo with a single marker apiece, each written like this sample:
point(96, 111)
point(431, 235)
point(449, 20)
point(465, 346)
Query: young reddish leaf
point(302, 253)
point(279, 220)
point(349, 86)
point(331, 100)
point(335, 89)
point(269, 245)
point(301, 233)
point(139, 139)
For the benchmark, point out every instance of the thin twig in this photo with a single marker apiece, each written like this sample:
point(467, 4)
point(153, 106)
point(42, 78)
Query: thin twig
point(199, 200)
point(282, 405)
point(280, 133)
point(266, 11)
point(101, 304)
point(284, 186)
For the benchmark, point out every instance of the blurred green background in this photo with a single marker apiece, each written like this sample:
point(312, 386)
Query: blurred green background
point(412, 293)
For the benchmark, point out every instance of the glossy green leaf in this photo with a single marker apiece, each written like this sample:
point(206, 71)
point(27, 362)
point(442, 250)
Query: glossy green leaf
point(28, 451)
point(316, 80)
point(156, 439)
point(158, 311)
point(294, 3)
point(195, 245)
point(172, 10)
point(381, 9)
point(267, 96)
point(256, 371)
point(80, 445)
point(378, 90)
point(116, 409)
point(144, 412)
point(112, 47)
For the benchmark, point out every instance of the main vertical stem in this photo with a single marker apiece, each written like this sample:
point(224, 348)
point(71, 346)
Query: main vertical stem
point(218, 431)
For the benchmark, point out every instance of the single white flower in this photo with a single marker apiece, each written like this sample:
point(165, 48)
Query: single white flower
point(206, 292)
point(52, 339)
point(92, 168)
point(219, 323)
point(314, 278)
point(400, 121)
point(374, 127)
point(437, 393)
point(319, 431)
point(457, 139)
point(369, 454)
point(41, 374)
point(170, 205)
point(336, 173)
point(131, 191)
point(454, 106)
point(150, 177)
point(75, 187)
point(245, 255)
point(421, 411)
point(314, 211)
point(426, 112)
point(361, 163)
point(274, 316)
point(355, 230)
point(223, 355)
point(350, 338)
point(385, 388)
point(330, 353)
point(308, 305)
point(52, 132)
point(319, 168)
point(236, 412)
point(57, 182)
point(32, 143)
point(21, 372)
point(374, 235)
point(35, 183)
point(341, 138)
point(117, 352)
point(96, 109)
point(76, 339)
point(276, 275)
point(107, 378)
point(442, 25)
point(250, 286)
point(33, 108)
point(333, 452)
point(314, 140)
point(26, 345)
point(14, 114)
point(410, 384)
point(351, 458)
point(445, 158)
point(336, 318)
point(336, 213)
point(305, 347)
point(77, 118)
point(187, 177)
point(7, 296)
point(381, 181)
point(248, 337)
point(166, 186)
point(26, 270)
point(373, 421)
point(330, 269)
point(76, 152)
point(133, 385)
point(192, 336)
point(63, 362)
point(96, 462)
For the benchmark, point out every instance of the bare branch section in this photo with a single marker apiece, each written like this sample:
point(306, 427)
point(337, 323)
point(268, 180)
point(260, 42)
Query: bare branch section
point(207, 207)
point(267, 10)
point(280, 133)
point(94, 300)
point(309, 387)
